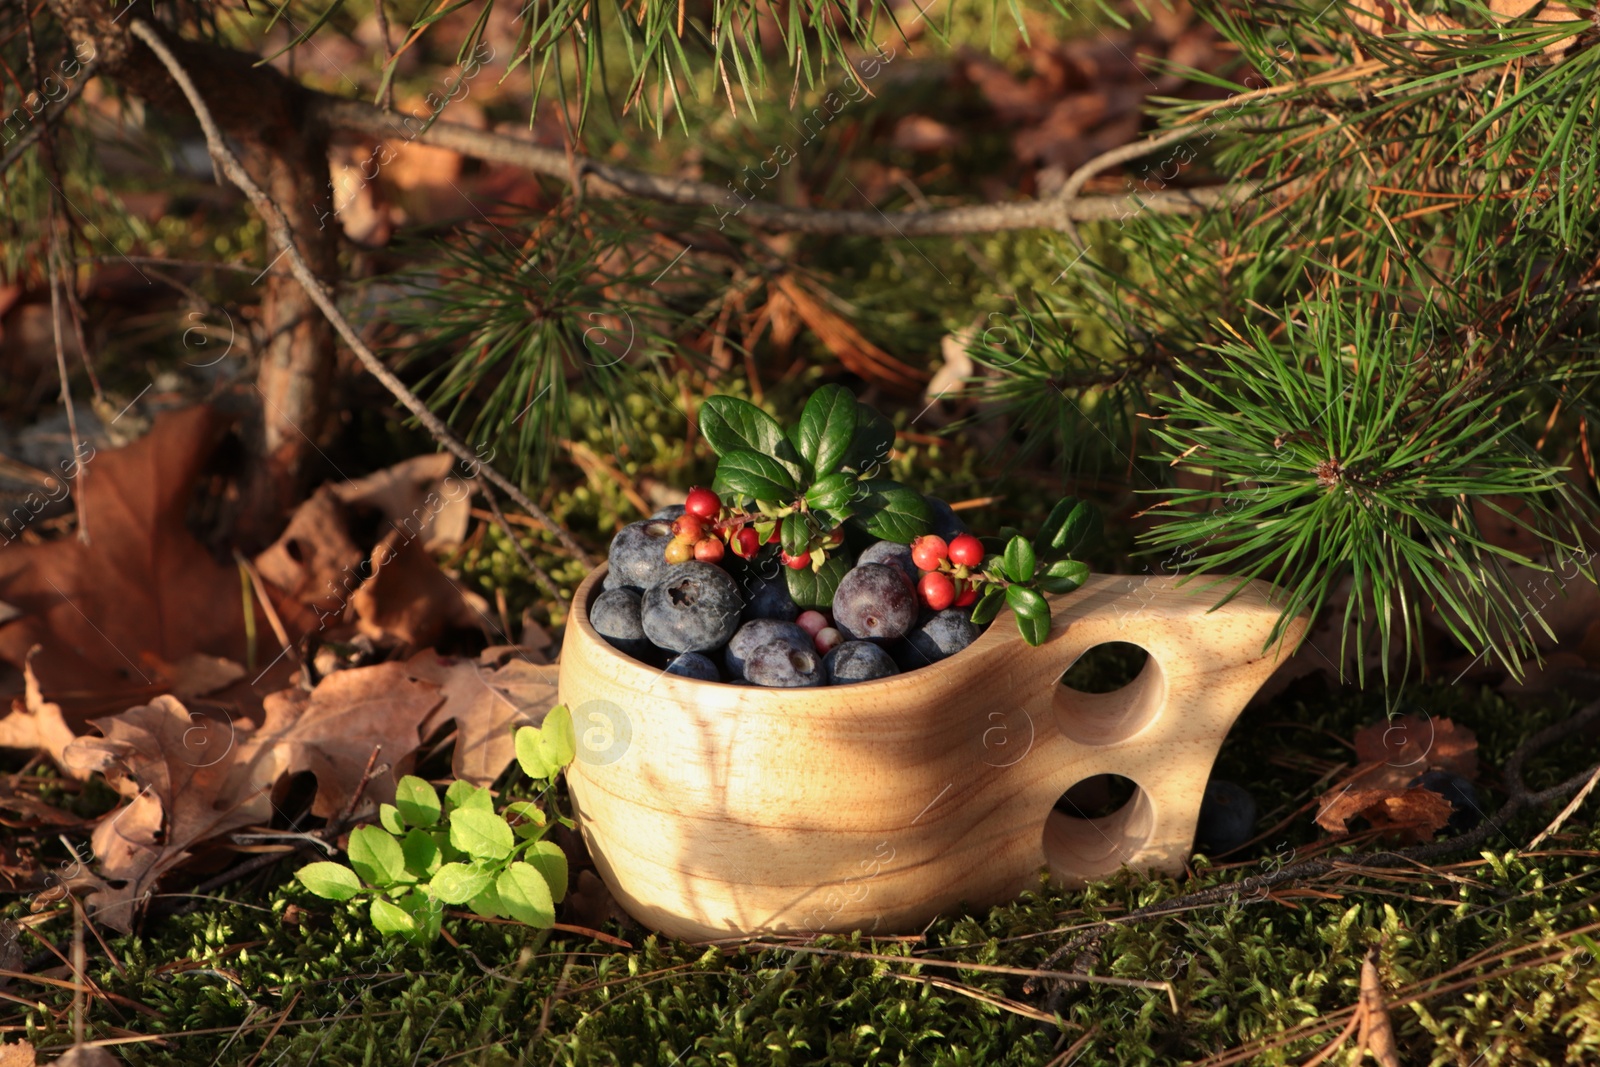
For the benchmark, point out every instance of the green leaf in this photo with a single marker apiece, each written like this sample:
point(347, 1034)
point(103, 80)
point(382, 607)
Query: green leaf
point(814, 589)
point(525, 895)
point(330, 881)
point(487, 904)
point(421, 852)
point(1027, 603)
point(392, 919)
point(1034, 630)
point(872, 442)
point(389, 818)
point(990, 601)
point(530, 755)
point(889, 511)
point(827, 427)
point(551, 862)
point(425, 912)
point(1053, 524)
point(481, 834)
point(557, 743)
point(1019, 560)
point(796, 533)
point(831, 491)
point(1063, 576)
point(417, 800)
point(534, 822)
point(731, 425)
point(376, 856)
point(1082, 524)
point(751, 475)
point(463, 794)
point(457, 883)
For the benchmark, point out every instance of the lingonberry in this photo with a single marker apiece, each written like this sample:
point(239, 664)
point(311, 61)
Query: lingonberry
point(966, 551)
point(679, 551)
point(689, 527)
point(827, 639)
point(795, 563)
point(836, 537)
point(812, 622)
point(745, 543)
point(968, 594)
point(702, 502)
point(708, 550)
point(775, 536)
point(937, 591)
point(927, 552)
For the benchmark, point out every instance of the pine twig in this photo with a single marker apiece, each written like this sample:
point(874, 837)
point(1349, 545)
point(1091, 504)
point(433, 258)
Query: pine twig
point(278, 226)
point(50, 118)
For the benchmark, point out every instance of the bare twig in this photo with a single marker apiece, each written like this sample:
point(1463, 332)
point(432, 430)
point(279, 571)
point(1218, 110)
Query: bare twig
point(278, 226)
point(66, 394)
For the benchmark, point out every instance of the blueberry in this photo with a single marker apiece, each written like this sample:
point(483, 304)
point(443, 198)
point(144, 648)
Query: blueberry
point(779, 664)
point(874, 602)
point(694, 608)
point(615, 617)
point(1458, 791)
point(1227, 817)
point(766, 596)
point(946, 523)
point(670, 512)
point(759, 632)
point(892, 554)
point(694, 665)
point(943, 634)
point(858, 661)
point(637, 559)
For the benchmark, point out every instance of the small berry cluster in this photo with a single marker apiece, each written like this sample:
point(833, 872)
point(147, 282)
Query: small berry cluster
point(696, 533)
point(823, 634)
point(950, 578)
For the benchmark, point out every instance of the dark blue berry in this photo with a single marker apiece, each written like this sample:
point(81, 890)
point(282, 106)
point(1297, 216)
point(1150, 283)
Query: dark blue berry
point(892, 554)
point(637, 560)
point(670, 512)
point(858, 661)
point(1463, 798)
point(615, 617)
point(758, 632)
point(767, 596)
point(781, 665)
point(694, 608)
point(942, 634)
point(946, 523)
point(694, 665)
point(874, 602)
point(1227, 817)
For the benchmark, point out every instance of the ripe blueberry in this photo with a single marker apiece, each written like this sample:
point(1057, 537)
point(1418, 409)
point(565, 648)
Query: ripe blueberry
point(1227, 817)
point(874, 602)
point(694, 608)
point(858, 661)
point(636, 558)
point(615, 616)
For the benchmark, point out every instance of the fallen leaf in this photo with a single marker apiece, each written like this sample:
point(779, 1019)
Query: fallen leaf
point(1376, 1033)
point(487, 700)
point(409, 598)
point(17, 1054)
point(198, 674)
point(1411, 744)
point(314, 560)
point(143, 583)
point(419, 496)
point(923, 133)
point(1394, 753)
point(35, 722)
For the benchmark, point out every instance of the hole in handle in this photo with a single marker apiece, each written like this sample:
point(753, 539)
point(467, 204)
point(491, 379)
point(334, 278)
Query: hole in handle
point(1110, 693)
point(1098, 825)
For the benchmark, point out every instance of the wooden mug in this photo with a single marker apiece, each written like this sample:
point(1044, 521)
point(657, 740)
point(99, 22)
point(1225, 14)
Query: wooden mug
point(716, 810)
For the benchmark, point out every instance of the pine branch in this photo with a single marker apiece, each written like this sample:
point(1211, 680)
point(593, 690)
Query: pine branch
point(278, 225)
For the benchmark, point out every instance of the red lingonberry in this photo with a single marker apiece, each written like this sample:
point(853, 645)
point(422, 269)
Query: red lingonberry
point(689, 527)
point(812, 622)
point(967, 595)
point(827, 639)
point(966, 551)
point(702, 502)
point(927, 551)
point(836, 537)
point(795, 563)
point(775, 536)
point(708, 550)
point(937, 591)
point(679, 551)
point(745, 543)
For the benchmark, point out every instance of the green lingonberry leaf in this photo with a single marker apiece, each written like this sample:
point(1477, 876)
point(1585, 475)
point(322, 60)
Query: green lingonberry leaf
point(730, 424)
point(827, 428)
point(376, 856)
point(990, 601)
point(417, 800)
point(1027, 603)
point(1034, 629)
point(525, 895)
point(831, 491)
point(1063, 576)
point(330, 881)
point(814, 589)
point(1081, 525)
point(481, 834)
point(796, 533)
point(890, 511)
point(753, 476)
point(1019, 559)
point(872, 442)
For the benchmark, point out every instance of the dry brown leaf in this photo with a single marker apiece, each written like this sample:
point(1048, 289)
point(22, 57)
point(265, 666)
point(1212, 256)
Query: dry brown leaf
point(17, 1054)
point(34, 722)
point(197, 674)
point(142, 585)
point(314, 560)
point(1394, 753)
point(410, 599)
point(419, 496)
point(1376, 1034)
point(506, 688)
point(1411, 744)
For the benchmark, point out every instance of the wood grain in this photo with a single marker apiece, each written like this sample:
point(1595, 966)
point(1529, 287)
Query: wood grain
point(715, 810)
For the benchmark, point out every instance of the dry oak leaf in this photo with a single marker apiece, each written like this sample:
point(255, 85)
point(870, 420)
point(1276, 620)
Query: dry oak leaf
point(33, 721)
point(17, 1054)
point(178, 771)
point(420, 496)
point(506, 688)
point(143, 584)
point(314, 560)
point(410, 599)
point(1392, 754)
